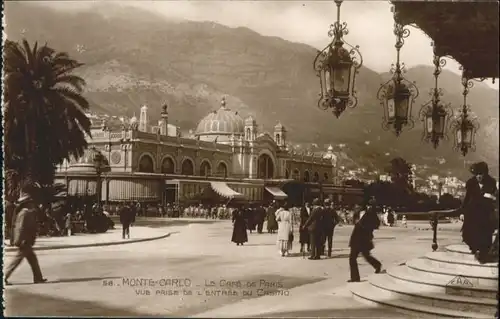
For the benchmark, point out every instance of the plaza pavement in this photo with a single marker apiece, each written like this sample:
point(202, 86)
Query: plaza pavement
point(98, 281)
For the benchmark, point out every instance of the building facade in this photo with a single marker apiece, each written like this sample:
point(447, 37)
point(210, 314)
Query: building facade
point(227, 157)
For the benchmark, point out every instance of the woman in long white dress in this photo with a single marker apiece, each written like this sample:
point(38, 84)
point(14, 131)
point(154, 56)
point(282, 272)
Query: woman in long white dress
point(285, 220)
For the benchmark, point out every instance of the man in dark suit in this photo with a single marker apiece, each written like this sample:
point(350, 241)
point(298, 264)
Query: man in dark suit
point(330, 220)
point(304, 239)
point(313, 225)
point(362, 241)
point(126, 218)
point(25, 230)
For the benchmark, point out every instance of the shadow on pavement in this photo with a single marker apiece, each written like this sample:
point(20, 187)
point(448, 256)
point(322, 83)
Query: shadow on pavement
point(19, 303)
point(67, 280)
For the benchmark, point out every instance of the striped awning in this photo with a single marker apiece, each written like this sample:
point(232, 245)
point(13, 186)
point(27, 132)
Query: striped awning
point(224, 190)
point(133, 190)
point(276, 192)
point(82, 187)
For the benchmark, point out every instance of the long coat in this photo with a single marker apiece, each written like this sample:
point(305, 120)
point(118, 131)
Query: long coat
point(239, 228)
point(304, 237)
point(26, 225)
point(362, 234)
point(285, 224)
point(313, 223)
point(478, 228)
point(271, 219)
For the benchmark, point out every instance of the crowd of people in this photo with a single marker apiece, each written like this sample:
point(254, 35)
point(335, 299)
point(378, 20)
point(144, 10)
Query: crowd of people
point(316, 224)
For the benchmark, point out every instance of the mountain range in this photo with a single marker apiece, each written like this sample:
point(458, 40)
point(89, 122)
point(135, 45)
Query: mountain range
point(134, 57)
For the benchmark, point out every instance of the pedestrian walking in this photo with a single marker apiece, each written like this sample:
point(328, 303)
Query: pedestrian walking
point(285, 220)
point(261, 217)
point(362, 241)
point(68, 224)
point(25, 229)
point(313, 225)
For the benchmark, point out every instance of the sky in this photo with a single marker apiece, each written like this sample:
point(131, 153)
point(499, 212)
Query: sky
point(370, 25)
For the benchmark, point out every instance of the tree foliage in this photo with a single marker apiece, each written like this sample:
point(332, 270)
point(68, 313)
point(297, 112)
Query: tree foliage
point(401, 175)
point(44, 113)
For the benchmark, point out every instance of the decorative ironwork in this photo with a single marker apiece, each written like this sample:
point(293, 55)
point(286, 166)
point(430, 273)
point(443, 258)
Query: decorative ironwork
point(465, 124)
point(336, 66)
point(435, 114)
point(398, 94)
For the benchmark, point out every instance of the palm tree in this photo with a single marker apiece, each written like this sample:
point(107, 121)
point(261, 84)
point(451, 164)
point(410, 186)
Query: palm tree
point(44, 113)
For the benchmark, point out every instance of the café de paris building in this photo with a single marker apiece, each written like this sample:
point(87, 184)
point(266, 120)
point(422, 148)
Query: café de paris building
point(225, 159)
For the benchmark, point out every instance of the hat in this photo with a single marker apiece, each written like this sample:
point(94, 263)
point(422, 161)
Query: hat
point(316, 201)
point(24, 198)
point(371, 202)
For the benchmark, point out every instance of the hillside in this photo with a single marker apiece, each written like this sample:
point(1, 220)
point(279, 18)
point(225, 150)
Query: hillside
point(135, 57)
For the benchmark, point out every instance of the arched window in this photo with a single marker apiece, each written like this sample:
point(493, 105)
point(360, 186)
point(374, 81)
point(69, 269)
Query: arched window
point(287, 173)
point(278, 139)
point(265, 167)
point(296, 174)
point(187, 167)
point(146, 164)
point(167, 166)
point(307, 176)
point(222, 170)
point(325, 176)
point(316, 177)
point(249, 132)
point(205, 169)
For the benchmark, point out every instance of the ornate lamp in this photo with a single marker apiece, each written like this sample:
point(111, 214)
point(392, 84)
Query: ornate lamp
point(398, 94)
point(465, 124)
point(336, 66)
point(435, 114)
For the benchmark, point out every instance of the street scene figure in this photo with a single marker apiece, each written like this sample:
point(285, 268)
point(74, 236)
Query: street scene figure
point(285, 220)
point(25, 229)
point(304, 237)
point(126, 219)
point(330, 220)
point(272, 225)
point(314, 226)
point(361, 241)
point(479, 207)
point(239, 228)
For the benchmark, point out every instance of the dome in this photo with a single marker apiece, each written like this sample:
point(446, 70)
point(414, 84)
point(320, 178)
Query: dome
point(221, 122)
point(144, 108)
point(87, 162)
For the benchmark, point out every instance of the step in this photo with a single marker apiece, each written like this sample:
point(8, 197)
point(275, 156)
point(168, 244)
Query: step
point(461, 251)
point(477, 276)
point(432, 297)
point(442, 282)
point(446, 257)
point(367, 292)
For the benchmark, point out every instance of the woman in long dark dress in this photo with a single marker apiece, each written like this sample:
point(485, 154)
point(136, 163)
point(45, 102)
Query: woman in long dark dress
point(272, 224)
point(478, 208)
point(239, 228)
point(304, 233)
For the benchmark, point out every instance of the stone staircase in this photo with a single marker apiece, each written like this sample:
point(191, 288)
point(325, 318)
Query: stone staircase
point(441, 284)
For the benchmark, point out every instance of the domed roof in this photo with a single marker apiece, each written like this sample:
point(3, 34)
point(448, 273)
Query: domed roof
point(221, 122)
point(87, 162)
point(250, 120)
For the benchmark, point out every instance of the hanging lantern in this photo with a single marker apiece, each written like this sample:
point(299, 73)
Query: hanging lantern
point(465, 124)
point(435, 114)
point(398, 94)
point(337, 66)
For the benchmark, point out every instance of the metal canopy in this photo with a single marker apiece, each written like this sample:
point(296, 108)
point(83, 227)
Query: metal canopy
point(464, 30)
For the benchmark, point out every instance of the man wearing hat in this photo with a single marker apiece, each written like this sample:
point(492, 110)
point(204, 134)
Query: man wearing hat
point(313, 224)
point(330, 220)
point(25, 230)
point(362, 241)
point(478, 209)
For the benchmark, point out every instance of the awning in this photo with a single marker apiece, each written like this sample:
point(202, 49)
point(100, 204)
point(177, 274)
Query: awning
point(276, 192)
point(222, 189)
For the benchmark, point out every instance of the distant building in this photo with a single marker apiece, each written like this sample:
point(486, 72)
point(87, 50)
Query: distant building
point(226, 156)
